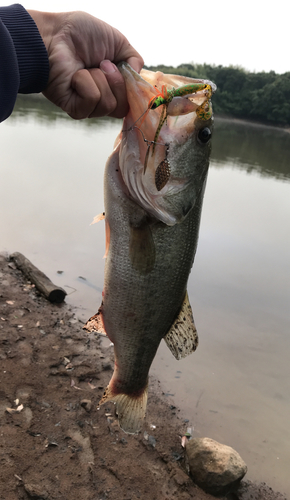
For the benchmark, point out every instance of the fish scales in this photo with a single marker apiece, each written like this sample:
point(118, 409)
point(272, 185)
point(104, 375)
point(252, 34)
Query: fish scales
point(147, 306)
point(152, 238)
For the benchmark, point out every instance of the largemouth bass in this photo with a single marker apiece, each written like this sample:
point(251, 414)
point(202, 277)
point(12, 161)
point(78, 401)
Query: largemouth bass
point(154, 186)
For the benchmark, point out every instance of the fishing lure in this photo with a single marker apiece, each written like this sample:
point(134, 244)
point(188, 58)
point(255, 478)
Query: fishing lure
point(164, 98)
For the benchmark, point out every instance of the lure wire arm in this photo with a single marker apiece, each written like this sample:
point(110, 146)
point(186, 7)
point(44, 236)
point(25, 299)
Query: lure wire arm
point(149, 144)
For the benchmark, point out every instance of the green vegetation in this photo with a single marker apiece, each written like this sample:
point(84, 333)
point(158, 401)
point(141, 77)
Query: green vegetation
point(263, 97)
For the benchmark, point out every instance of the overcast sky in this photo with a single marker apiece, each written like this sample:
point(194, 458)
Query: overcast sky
point(252, 34)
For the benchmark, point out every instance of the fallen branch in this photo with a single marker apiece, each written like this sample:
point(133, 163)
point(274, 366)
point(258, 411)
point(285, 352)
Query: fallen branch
point(50, 291)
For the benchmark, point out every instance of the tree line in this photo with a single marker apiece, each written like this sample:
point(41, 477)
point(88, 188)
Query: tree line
point(263, 97)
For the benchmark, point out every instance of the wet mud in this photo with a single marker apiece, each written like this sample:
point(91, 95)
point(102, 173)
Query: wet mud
point(55, 442)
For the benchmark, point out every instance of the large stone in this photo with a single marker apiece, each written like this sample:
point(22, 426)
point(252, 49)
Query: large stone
point(215, 467)
point(35, 491)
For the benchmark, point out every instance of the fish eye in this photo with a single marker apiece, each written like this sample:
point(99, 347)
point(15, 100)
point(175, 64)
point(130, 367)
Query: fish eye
point(204, 135)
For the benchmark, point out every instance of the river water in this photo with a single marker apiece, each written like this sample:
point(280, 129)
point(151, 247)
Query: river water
point(236, 387)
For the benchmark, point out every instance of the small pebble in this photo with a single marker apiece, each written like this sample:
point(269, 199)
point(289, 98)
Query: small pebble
point(86, 404)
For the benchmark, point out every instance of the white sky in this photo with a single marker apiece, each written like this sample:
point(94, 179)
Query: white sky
point(252, 34)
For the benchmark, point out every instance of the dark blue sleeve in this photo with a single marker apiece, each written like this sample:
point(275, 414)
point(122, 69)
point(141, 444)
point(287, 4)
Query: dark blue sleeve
point(24, 66)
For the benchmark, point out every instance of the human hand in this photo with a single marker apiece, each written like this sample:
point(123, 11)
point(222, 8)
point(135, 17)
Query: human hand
point(82, 50)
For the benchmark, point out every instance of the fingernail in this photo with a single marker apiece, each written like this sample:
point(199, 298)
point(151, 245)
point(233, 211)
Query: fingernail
point(108, 67)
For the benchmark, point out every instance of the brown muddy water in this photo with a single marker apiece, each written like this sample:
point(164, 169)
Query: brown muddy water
point(236, 387)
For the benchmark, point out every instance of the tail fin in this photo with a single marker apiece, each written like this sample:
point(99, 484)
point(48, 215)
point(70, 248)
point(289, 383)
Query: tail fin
point(130, 409)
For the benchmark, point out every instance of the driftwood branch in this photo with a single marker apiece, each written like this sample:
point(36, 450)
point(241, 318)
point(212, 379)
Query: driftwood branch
point(50, 291)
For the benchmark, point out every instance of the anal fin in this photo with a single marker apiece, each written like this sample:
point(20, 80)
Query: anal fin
point(182, 337)
point(96, 323)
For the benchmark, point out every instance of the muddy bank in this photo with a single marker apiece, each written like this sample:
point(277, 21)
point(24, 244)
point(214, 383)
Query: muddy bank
point(54, 441)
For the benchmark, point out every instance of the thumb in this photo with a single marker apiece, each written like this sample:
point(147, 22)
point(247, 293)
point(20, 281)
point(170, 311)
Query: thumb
point(136, 63)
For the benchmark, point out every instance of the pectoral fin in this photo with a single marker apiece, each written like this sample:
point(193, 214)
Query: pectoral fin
point(182, 337)
point(97, 218)
point(108, 235)
point(142, 249)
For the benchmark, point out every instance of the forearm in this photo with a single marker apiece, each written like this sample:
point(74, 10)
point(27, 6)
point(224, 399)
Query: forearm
point(24, 63)
point(48, 24)
point(71, 57)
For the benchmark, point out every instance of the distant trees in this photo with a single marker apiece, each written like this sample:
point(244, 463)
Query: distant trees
point(263, 97)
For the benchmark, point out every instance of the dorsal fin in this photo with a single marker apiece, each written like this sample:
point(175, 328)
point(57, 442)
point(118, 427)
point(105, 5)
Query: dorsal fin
point(182, 337)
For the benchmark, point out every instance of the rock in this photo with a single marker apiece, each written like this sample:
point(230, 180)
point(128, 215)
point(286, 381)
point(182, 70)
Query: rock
point(24, 394)
point(151, 439)
point(86, 454)
point(86, 404)
point(35, 491)
point(215, 467)
point(180, 477)
point(27, 416)
point(106, 365)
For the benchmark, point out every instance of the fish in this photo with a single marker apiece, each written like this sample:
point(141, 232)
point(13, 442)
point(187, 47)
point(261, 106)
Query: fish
point(154, 184)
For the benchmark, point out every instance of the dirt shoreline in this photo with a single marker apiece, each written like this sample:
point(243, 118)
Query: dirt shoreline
point(59, 445)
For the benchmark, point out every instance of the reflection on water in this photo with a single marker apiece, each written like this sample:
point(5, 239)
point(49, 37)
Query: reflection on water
point(248, 146)
point(252, 147)
point(236, 387)
point(43, 111)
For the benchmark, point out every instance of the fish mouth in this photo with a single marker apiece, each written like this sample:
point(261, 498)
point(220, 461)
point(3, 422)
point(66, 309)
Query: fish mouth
point(143, 87)
point(154, 133)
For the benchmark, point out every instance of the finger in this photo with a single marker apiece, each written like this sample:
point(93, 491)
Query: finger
point(117, 86)
point(108, 102)
point(86, 95)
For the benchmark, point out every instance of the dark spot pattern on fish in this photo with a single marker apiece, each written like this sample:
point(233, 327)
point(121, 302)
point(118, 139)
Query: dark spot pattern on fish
point(162, 174)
